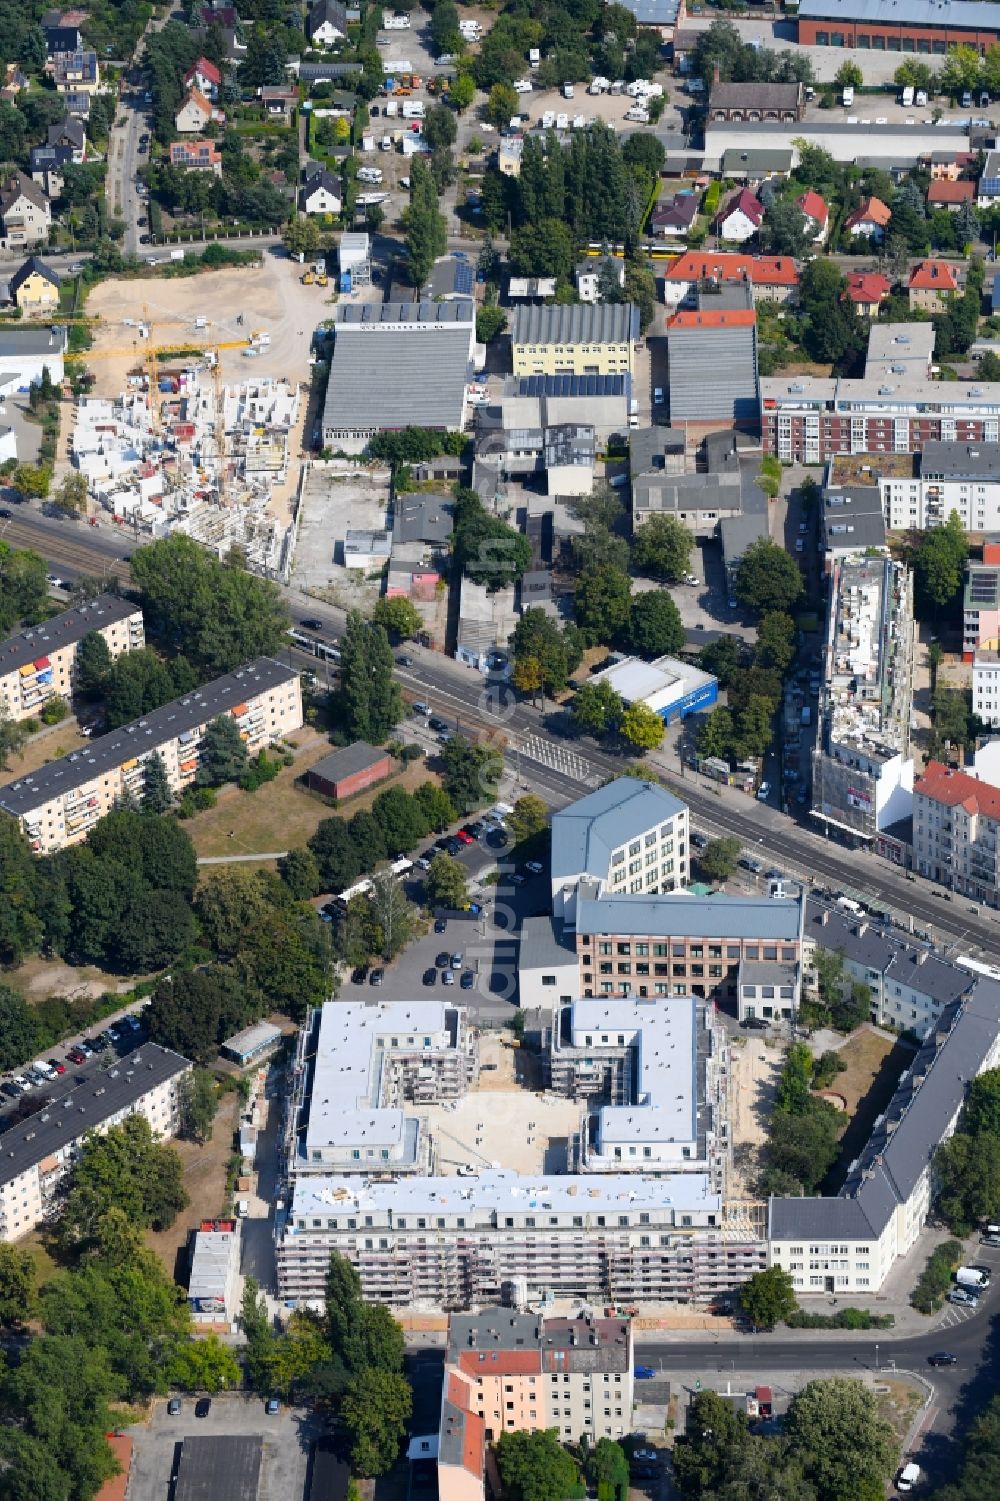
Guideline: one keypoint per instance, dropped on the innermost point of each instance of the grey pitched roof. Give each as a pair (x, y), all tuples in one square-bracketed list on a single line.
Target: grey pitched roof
[(953, 14), (68, 129), (577, 323), (719, 916), (869, 944), (326, 10), (817, 1219), (384, 379), (33, 266), (142, 735), (346, 762), (754, 95), (321, 178), (423, 518), (737, 162), (16, 185), (585, 834), (62, 630)]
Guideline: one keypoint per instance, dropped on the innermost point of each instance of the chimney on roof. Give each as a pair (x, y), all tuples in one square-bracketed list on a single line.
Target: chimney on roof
[(715, 72), (922, 957)]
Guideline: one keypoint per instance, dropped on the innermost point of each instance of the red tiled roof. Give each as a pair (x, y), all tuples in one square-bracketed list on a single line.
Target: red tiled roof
[(957, 789), (743, 202), (943, 191), (720, 265), (867, 286), (934, 275), (206, 69), (813, 206), (871, 210), (474, 1444), (731, 318)]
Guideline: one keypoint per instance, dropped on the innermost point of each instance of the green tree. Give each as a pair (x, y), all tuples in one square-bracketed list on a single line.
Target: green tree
[(641, 727), (967, 1169), (845, 1446), (13, 738), (490, 322), (92, 666), (299, 870), (18, 1285), (71, 495), (768, 1297), (370, 696), (717, 860), (20, 1034), (784, 230), (336, 855), (426, 231), (399, 618), (198, 1102), (982, 1105), (401, 819), (960, 72), (124, 1168), (392, 917), (655, 627), (302, 235), (436, 805), (230, 901), (939, 567), (662, 547), (462, 92), (544, 248), (608, 1470), (21, 926), (204, 1365), (471, 774), (222, 755), (849, 75), (603, 604), (596, 709), (24, 590), (534, 1466), (374, 1414), (539, 638), (775, 641), (831, 330), (501, 106), (486, 549), (446, 883), (530, 817), (767, 579), (157, 794), (364, 1335)]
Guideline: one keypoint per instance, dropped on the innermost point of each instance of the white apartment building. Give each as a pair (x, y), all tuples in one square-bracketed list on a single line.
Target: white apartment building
[(986, 685), (58, 804), (862, 766), (945, 477), (628, 836), (39, 664), (956, 829), (848, 1244), (39, 1152)]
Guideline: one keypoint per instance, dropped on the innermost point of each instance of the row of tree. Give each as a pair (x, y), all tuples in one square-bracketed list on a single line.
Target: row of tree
[(967, 1164), (803, 1134)]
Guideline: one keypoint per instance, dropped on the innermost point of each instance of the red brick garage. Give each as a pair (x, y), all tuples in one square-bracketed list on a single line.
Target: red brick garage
[(344, 773), (918, 27)]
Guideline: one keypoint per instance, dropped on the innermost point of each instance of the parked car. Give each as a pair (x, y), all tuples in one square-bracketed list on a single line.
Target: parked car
[(376, 977), (174, 1406), (463, 837), (468, 979), (312, 624), (11, 1090), (644, 1373), (438, 725), (942, 1358), (272, 1405), (422, 862), (76, 1055), (962, 1298), (763, 792), (535, 867), (443, 960), (440, 924), (203, 1407), (404, 661), (456, 961), (448, 978), (907, 1477), (430, 976), (755, 1024), (359, 974)]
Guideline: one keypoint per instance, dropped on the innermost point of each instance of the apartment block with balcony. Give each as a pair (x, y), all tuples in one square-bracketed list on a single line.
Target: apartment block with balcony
[(981, 604), (956, 831), (39, 664), (58, 804), (628, 836), (39, 1151), (943, 478), (862, 766)]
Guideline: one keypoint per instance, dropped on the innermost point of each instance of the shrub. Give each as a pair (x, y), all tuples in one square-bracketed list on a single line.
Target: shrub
[(935, 1279), (55, 711), (844, 1318)]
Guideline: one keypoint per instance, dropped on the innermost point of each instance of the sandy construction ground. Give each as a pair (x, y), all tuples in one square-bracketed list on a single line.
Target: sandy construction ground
[(755, 1070), (269, 296), (515, 1128)]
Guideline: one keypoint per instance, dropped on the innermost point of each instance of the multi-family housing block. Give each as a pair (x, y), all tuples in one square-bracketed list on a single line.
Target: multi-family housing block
[(628, 836), (981, 604), (862, 767), (59, 804), (956, 826), (39, 663), (39, 1152)]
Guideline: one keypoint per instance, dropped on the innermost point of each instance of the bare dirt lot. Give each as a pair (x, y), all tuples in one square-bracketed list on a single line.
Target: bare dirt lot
[(204, 1180), (269, 296), (755, 1070)]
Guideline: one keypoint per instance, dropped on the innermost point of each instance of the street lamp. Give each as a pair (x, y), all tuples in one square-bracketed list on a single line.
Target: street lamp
[(876, 1355)]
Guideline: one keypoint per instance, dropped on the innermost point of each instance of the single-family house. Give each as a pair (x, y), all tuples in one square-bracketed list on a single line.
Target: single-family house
[(278, 101), (932, 285), (62, 30), (198, 156), (949, 164), (46, 165), (740, 217), (25, 214), (14, 83), (674, 216), (816, 215), (76, 102), (72, 133), (988, 190), (322, 194), (867, 290), (34, 287), (510, 150), (589, 273), (205, 77), (326, 23), (194, 114), (76, 70), (870, 219), (943, 193)]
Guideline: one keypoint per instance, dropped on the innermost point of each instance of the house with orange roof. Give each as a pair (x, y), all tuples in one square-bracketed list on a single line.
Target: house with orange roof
[(771, 278), (816, 215), (942, 193), (867, 290), (870, 219), (197, 156), (932, 286), (194, 114)]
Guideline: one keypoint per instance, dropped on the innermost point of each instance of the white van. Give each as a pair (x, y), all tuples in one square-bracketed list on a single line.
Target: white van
[(908, 1477), (847, 904)]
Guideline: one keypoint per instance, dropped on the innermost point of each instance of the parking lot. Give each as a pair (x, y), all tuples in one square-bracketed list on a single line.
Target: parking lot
[(288, 1436), (14, 1098)]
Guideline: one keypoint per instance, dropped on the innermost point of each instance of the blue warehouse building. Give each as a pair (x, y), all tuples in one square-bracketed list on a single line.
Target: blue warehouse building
[(671, 688)]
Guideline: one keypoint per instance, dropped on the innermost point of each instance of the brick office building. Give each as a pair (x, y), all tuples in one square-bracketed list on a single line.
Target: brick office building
[(924, 27)]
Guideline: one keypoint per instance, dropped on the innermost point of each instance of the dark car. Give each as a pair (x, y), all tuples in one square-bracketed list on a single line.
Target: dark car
[(174, 1406), (454, 846), (430, 976), (699, 840), (443, 960), (774, 874), (440, 726), (10, 1090), (404, 661), (440, 925), (359, 975), (468, 980), (755, 1023), (644, 1373), (942, 1358), (6, 512), (376, 977), (144, 239), (477, 830), (312, 624), (203, 1407), (99, 1044)]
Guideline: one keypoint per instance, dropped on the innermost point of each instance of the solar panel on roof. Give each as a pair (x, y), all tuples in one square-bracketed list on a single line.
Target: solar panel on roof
[(463, 277)]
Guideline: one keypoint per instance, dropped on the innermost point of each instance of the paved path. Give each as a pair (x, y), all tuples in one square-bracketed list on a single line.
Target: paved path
[(238, 859)]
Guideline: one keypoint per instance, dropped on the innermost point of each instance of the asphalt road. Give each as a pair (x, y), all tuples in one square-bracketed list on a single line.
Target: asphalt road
[(568, 768)]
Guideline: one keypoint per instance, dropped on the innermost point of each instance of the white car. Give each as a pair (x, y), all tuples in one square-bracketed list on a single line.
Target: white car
[(908, 1477), (658, 396), (763, 792)]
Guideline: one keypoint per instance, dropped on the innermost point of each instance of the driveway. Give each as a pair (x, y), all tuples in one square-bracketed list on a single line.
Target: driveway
[(288, 1437)]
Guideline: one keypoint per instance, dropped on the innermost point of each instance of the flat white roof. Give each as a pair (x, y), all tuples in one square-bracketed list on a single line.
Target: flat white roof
[(665, 1033), (667, 679)]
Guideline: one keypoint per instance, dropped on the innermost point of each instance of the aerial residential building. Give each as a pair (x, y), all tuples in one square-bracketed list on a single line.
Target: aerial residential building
[(852, 518), (205, 77), (59, 804), (34, 287), (867, 290), (740, 217), (986, 684), (870, 219), (510, 152), (626, 836), (675, 216), (39, 1152), (772, 278), (196, 156), (396, 364), (981, 605), (589, 272), (816, 215), (326, 23), (862, 766), (322, 193), (948, 166), (945, 477), (575, 339), (77, 70), (25, 214), (712, 361), (46, 164), (701, 498), (944, 193), (928, 27), (194, 114), (988, 190), (956, 820), (72, 133), (62, 30), (932, 285), (39, 664)]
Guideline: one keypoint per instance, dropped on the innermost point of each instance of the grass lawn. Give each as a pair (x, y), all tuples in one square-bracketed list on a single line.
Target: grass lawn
[(45, 1264), (280, 816), (44, 747), (874, 1065), (897, 1405)]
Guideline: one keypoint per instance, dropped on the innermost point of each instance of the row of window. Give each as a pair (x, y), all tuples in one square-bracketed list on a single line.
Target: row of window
[(685, 950), (876, 42)]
